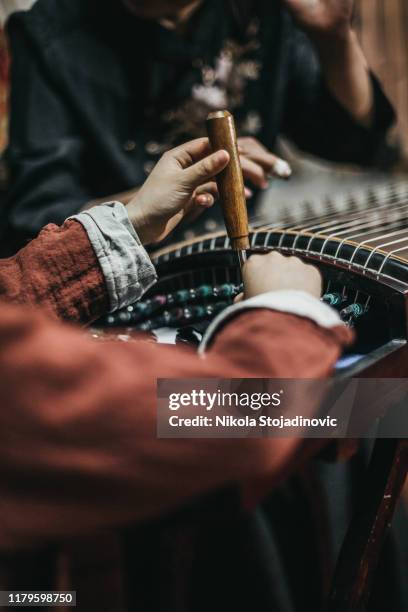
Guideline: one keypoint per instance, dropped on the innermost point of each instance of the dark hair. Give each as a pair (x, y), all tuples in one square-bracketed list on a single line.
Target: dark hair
[(242, 10)]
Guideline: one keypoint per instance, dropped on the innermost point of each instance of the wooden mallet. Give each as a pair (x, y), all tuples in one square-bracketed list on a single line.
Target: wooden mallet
[(222, 135)]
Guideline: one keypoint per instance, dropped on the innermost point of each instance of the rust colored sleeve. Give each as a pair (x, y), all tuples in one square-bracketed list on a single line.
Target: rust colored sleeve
[(79, 449), (58, 271)]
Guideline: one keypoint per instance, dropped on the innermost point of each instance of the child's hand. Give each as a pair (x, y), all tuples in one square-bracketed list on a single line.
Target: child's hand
[(181, 183)]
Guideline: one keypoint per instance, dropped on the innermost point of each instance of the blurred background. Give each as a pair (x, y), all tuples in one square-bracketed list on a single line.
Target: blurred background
[(383, 29), (382, 26)]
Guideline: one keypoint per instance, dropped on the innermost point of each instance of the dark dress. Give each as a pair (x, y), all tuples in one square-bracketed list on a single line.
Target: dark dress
[(98, 95)]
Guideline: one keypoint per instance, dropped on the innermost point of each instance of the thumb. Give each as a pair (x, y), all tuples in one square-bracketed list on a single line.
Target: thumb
[(204, 170)]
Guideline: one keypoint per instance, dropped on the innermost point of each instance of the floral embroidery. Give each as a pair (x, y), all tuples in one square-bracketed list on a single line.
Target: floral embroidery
[(222, 85)]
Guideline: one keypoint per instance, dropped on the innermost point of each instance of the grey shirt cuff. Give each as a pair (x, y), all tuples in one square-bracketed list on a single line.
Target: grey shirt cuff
[(126, 266)]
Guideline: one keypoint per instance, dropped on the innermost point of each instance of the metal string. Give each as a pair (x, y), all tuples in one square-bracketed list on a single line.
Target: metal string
[(394, 191), (367, 242), (327, 221), (385, 244), (355, 223), (388, 213)]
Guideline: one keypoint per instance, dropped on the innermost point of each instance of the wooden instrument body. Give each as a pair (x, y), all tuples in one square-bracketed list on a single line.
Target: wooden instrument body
[(362, 253), (369, 272), (380, 350), (380, 333)]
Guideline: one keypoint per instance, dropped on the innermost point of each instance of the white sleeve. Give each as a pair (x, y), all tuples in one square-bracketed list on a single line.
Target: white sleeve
[(125, 264), (8, 7), (298, 303)]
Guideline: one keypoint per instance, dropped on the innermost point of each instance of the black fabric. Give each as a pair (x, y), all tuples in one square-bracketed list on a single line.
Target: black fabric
[(94, 86)]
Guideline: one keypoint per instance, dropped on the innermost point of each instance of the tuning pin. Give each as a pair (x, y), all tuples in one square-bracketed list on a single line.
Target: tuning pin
[(182, 296), (124, 317), (205, 291), (308, 209), (199, 312), (334, 299), (352, 203), (225, 291), (140, 308), (352, 312), (159, 300), (147, 326), (186, 315)]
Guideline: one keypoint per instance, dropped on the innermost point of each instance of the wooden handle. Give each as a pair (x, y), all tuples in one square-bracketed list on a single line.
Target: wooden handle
[(222, 135)]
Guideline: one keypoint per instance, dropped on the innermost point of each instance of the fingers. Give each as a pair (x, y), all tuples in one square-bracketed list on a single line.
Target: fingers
[(289, 263), (191, 152), (281, 169), (206, 194), (256, 261), (254, 173), (204, 199), (204, 170), (270, 164), (274, 272)]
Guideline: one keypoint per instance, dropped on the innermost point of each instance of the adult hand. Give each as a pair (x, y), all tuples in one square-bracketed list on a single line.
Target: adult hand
[(274, 272), (182, 183), (322, 16), (259, 164)]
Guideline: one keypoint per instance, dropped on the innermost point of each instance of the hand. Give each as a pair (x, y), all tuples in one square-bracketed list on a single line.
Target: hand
[(274, 272), (180, 184), (258, 164), (322, 16)]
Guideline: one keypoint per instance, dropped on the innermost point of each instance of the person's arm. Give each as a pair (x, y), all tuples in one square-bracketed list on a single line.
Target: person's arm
[(64, 269), (336, 108), (48, 157), (346, 72), (79, 449), (58, 271), (343, 64)]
